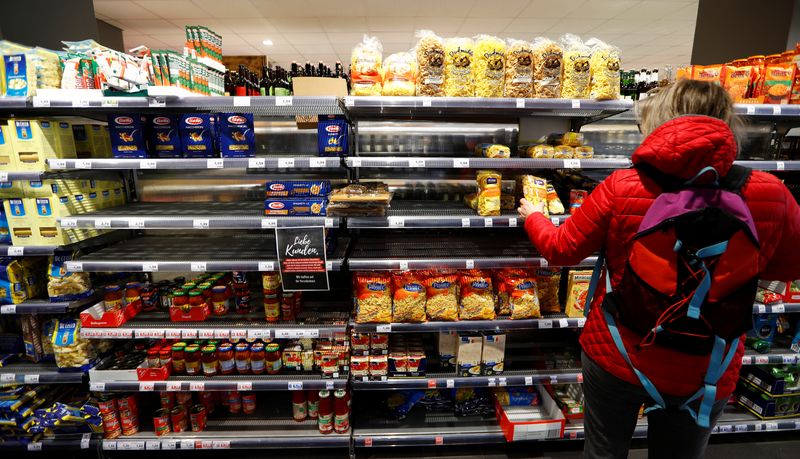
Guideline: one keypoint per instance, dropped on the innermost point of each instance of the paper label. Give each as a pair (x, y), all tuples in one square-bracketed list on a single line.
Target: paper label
[(255, 334), (83, 164), (31, 379), (85, 439), (461, 163), (751, 110), (8, 309), (572, 163), (172, 333), (329, 223), (417, 162), (451, 383), (295, 385), (383, 328), (465, 222), (7, 377), (187, 444), (427, 101), (348, 101), (198, 267), (244, 386), (152, 444), (35, 446), (197, 386), (137, 223), (469, 264), (110, 102), (317, 162), (256, 163), (563, 323), (150, 267), (488, 222), (576, 103), (148, 164), (355, 162), (241, 101), (266, 266), (189, 333), (102, 223), (520, 103), (269, 223), (146, 386), (97, 386), (776, 109), (283, 101), (780, 165), (285, 162), (201, 223), (173, 386), (403, 265), (238, 333), (215, 163), (545, 323), (512, 222), (205, 333), (69, 223), (397, 222), (55, 164)]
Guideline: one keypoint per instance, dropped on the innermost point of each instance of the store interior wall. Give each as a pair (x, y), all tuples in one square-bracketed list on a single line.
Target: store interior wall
[(728, 29), (55, 21), (110, 36), (794, 28)]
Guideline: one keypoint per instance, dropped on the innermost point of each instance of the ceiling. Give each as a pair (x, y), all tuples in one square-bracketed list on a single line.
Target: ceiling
[(651, 33)]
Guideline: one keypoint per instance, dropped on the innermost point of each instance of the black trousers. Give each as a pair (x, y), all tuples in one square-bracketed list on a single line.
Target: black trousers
[(611, 410)]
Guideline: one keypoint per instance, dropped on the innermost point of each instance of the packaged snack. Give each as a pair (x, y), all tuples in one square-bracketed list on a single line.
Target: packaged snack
[(547, 283), (163, 136), (507, 202), (32, 337), (604, 69), (127, 136), (547, 64), (502, 285), (492, 150), (430, 63), (540, 151), (447, 346), (577, 75), (489, 183), (518, 69), (399, 75), (19, 77), (554, 205), (570, 139), (365, 67), (197, 135), (295, 206), (778, 83), (493, 353), (477, 296), (577, 289), (63, 285), (459, 73), (332, 135), (761, 336), (711, 73), (471, 200), (409, 297), (563, 151), (13, 288), (373, 298), (236, 135), (48, 68), (517, 396), (583, 152), (489, 66), (534, 189), (71, 351), (737, 82), (442, 296), (297, 188)]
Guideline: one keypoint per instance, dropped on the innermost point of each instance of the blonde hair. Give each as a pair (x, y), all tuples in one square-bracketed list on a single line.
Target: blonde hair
[(686, 97)]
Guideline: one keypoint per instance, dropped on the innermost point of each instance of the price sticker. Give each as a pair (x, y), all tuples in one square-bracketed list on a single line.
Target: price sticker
[(97, 386), (581, 322), (152, 444), (502, 381), (512, 222), (172, 333), (528, 380), (397, 222), (173, 386), (222, 334), (283, 101), (779, 308), (761, 309), (201, 223), (355, 162), (555, 221), (157, 102), (187, 444), (150, 267), (431, 384), (451, 383), (269, 223), (488, 222), (266, 266), (130, 445), (41, 101), (80, 102), (329, 384), (572, 163), (69, 223), (35, 446), (197, 386), (725, 428), (148, 164), (146, 386), (747, 360), (416, 162), (85, 439), (31, 379), (109, 102), (198, 267), (461, 163), (241, 101), (576, 103), (7, 377), (563, 323), (169, 444), (329, 265), (295, 385), (491, 382), (255, 334), (762, 359), (109, 445), (348, 101), (238, 333), (543, 263), (520, 103), (244, 386), (741, 427), (553, 379), (427, 101), (122, 334), (8, 309), (83, 164), (465, 222), (789, 359), (383, 328), (329, 223), (439, 440), (579, 378), (256, 163), (285, 162), (403, 265), (205, 333), (136, 223), (780, 165), (751, 110), (469, 264), (368, 442), (54, 164), (221, 444), (317, 162), (149, 333), (215, 163), (4, 176), (545, 323), (771, 426), (776, 109), (102, 223), (189, 333)]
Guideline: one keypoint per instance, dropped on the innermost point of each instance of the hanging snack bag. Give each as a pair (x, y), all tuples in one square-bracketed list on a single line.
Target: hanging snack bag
[(489, 184), (554, 205), (374, 298), (409, 297), (459, 73), (547, 64), (477, 297), (430, 64), (534, 189), (399, 75), (490, 59), (778, 83), (547, 283), (711, 73), (604, 69), (442, 296), (518, 69), (737, 82), (577, 75), (365, 67)]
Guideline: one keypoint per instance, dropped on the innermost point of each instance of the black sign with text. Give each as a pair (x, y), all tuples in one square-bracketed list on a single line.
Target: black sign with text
[(302, 259)]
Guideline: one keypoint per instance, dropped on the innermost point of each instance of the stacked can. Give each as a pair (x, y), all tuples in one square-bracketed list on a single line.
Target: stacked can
[(208, 401), (108, 411), (128, 414), (198, 417), (248, 402), (167, 399), (183, 399), (180, 419), (234, 402), (161, 422)]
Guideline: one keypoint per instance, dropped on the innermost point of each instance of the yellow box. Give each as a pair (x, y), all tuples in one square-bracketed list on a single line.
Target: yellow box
[(96, 136), (33, 142), (65, 141), (82, 147), (12, 189), (20, 221), (7, 157)]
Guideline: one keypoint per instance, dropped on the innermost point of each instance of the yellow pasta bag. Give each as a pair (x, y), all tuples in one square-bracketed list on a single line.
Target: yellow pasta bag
[(534, 189), (584, 152), (518, 69), (576, 77), (399, 75), (577, 291), (604, 68), (442, 296), (563, 151), (540, 151), (430, 64), (490, 59), (459, 75), (471, 200), (477, 296), (409, 297), (374, 298), (489, 191), (365, 67), (554, 205), (547, 283), (492, 150), (547, 63)]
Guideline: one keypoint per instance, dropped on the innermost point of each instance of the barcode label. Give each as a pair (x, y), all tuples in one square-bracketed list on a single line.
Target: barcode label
[(241, 101), (198, 267), (285, 162), (266, 266), (201, 223)]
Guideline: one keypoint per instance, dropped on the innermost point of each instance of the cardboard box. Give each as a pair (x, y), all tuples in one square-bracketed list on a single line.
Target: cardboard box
[(542, 422), (20, 221), (765, 405), (98, 317), (145, 373), (33, 141), (319, 86), (7, 157), (493, 355), (448, 347), (96, 375), (468, 356)]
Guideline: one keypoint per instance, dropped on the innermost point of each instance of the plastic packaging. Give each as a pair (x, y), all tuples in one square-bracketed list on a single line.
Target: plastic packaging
[(374, 298), (477, 296), (489, 186), (442, 296), (490, 61), (459, 72), (518, 69), (604, 68), (365, 67), (409, 297), (399, 75), (577, 74), (547, 64), (534, 189), (430, 62)]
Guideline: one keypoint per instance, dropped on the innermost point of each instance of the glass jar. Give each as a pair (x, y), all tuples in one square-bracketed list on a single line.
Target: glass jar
[(219, 300), (196, 299), (180, 300), (205, 287), (210, 360), (191, 360), (133, 292), (272, 307), (272, 358), (225, 355), (242, 356), (178, 353), (189, 286), (112, 298), (257, 355), (152, 357), (164, 355)]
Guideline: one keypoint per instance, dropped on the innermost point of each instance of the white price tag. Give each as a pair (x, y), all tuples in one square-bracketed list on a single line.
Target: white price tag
[(317, 162), (201, 223), (169, 444), (776, 109), (491, 382), (465, 222), (157, 102), (266, 266), (172, 333), (725, 428), (130, 445), (69, 223), (488, 222), (308, 333), (747, 360), (285, 162), (241, 101), (97, 386), (553, 379), (80, 102), (110, 102), (55, 164), (187, 444), (741, 427), (255, 334), (197, 386), (512, 222), (469, 264), (789, 359), (269, 223), (74, 266), (244, 386), (85, 439), (283, 101), (35, 446), (383, 328), (581, 322), (348, 101), (355, 162), (83, 164), (102, 223), (149, 333), (238, 333), (572, 163), (41, 101), (146, 386), (7, 377), (109, 445), (329, 265), (576, 103), (528, 380), (31, 379), (543, 263), (150, 267), (397, 222), (402, 265), (222, 334), (461, 163), (778, 308), (8, 309), (136, 223), (545, 323), (205, 333), (502, 381), (780, 165), (417, 162), (173, 386), (520, 103), (555, 221), (295, 385), (198, 267), (215, 163), (771, 426), (427, 101), (256, 163), (451, 383), (563, 323), (329, 223), (148, 164), (762, 309), (329, 384), (152, 444), (3, 176), (189, 333), (762, 359), (751, 110)]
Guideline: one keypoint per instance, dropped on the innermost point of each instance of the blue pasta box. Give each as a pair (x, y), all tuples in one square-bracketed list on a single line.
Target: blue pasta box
[(163, 137), (197, 135), (297, 188), (332, 135), (295, 206), (127, 136), (237, 138), (16, 75)]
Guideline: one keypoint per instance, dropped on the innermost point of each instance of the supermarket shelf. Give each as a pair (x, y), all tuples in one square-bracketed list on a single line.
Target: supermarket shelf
[(450, 380), (771, 165), (547, 322), (38, 373), (46, 307), (420, 252), (422, 162), (13, 102), (270, 162), (286, 381), (241, 252), (436, 429), (437, 214), (188, 215), (59, 442), (9, 176), (768, 110), (29, 250), (773, 357), (775, 308)]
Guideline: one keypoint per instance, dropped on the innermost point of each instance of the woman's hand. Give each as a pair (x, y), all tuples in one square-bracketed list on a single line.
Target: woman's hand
[(526, 208)]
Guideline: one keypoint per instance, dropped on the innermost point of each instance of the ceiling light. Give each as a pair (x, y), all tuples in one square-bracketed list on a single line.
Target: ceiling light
[(267, 42)]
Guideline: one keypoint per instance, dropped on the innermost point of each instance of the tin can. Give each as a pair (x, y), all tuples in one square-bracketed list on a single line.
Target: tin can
[(207, 400), (576, 199), (127, 402), (129, 423), (183, 398), (180, 423), (234, 402), (111, 431), (198, 418), (161, 422), (107, 405), (167, 399), (248, 403)]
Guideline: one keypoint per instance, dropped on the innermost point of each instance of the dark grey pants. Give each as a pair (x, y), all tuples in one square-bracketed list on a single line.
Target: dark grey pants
[(611, 411)]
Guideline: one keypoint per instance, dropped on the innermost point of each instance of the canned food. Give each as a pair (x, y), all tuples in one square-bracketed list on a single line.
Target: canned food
[(179, 421), (183, 398), (128, 402), (167, 399), (234, 402), (111, 433), (249, 403), (207, 400), (198, 418), (161, 422), (107, 405)]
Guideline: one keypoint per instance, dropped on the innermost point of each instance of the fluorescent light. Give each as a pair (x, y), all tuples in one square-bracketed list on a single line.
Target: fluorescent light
[(267, 42)]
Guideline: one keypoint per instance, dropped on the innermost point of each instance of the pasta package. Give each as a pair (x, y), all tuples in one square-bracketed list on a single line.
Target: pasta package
[(430, 63), (711, 73), (477, 296), (547, 63), (507, 202), (523, 299), (374, 298), (63, 285), (490, 59), (459, 72), (547, 283), (489, 192), (409, 297), (71, 351), (471, 200), (540, 151), (554, 205), (577, 291), (577, 75), (563, 151), (534, 189), (737, 81), (604, 70), (518, 69), (778, 83), (442, 296), (365, 67), (399, 75), (502, 285), (584, 152), (492, 150)]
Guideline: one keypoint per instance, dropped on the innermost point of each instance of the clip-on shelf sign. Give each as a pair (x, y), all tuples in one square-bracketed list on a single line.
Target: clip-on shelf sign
[(302, 258)]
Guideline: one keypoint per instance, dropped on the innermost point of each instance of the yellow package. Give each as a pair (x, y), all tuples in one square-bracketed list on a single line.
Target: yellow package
[(604, 69), (571, 139), (554, 205), (540, 151), (477, 296), (547, 64), (576, 77), (563, 151), (547, 283), (490, 58), (7, 161), (489, 184), (471, 200), (365, 67), (442, 295), (534, 189), (430, 63), (399, 75), (519, 69), (577, 291), (584, 152), (459, 76), (492, 150)]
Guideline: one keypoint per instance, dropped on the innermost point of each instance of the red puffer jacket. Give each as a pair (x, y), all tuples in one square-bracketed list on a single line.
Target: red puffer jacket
[(611, 215)]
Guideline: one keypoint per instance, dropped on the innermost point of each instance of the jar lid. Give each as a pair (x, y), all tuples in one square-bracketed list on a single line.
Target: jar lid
[(195, 292), (242, 347), (192, 348), (209, 349), (225, 347), (219, 289), (257, 347), (179, 346), (133, 285), (179, 292), (112, 288), (272, 347)]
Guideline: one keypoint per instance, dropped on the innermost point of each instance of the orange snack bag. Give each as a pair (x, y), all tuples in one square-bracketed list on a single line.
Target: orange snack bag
[(707, 73), (477, 297), (442, 295), (778, 82), (409, 297), (374, 297), (738, 81)]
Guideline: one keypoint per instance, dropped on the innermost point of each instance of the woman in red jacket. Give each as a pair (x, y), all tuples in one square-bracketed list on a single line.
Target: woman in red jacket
[(687, 128)]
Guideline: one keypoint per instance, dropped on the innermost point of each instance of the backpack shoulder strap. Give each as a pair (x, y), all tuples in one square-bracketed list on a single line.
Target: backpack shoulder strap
[(736, 179)]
